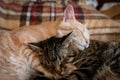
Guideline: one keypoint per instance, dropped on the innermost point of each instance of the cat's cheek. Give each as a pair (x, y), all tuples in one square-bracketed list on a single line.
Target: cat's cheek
[(60, 34), (79, 46)]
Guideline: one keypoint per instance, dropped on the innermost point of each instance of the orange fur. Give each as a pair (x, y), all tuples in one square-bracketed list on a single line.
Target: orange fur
[(18, 62)]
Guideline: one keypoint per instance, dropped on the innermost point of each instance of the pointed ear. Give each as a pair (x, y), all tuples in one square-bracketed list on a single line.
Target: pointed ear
[(69, 13), (65, 37), (35, 47), (66, 40)]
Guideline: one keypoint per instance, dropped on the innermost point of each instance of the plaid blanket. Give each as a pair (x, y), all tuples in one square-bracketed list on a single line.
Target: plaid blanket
[(32, 12), (36, 11), (9, 15)]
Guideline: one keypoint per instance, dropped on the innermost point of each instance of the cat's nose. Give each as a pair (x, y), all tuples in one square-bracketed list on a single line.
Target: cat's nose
[(87, 42)]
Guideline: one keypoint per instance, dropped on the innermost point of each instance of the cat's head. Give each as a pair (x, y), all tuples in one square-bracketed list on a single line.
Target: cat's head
[(80, 31), (54, 50)]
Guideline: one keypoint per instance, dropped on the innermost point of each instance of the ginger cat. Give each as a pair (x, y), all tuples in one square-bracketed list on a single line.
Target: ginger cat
[(18, 62)]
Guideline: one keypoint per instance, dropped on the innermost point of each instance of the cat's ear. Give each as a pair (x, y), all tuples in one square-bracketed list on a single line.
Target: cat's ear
[(36, 48), (69, 13), (65, 37), (65, 40)]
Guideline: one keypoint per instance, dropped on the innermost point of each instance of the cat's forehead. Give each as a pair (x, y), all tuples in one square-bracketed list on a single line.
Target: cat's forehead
[(79, 26), (75, 25)]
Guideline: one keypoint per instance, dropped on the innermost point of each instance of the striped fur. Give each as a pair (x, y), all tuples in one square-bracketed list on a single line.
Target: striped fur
[(52, 52), (101, 61)]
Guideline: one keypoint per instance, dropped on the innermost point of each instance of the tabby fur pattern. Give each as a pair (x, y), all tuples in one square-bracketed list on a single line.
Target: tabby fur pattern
[(101, 61)]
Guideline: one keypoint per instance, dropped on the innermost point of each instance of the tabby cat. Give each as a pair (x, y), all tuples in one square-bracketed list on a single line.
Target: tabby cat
[(18, 61), (101, 61), (52, 52)]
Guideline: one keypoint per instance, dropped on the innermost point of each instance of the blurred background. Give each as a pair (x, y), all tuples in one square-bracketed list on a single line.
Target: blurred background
[(110, 8)]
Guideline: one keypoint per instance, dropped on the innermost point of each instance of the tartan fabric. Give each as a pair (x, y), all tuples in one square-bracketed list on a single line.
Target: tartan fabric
[(10, 15), (56, 1), (37, 12), (61, 1)]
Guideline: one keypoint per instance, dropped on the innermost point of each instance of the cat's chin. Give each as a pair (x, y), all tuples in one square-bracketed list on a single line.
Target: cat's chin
[(81, 47)]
